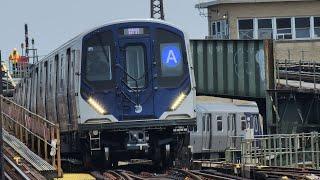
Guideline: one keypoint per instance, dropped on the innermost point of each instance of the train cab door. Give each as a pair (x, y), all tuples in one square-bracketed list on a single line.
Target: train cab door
[(232, 125), (232, 129), (207, 132), (134, 78)]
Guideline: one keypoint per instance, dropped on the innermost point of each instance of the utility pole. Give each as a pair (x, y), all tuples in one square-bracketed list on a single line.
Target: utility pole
[(156, 8), (26, 39)]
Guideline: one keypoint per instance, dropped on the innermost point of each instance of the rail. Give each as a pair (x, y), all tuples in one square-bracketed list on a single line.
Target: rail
[(37, 133), (18, 171)]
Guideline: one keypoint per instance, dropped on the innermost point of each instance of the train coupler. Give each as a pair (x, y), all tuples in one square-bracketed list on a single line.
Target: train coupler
[(138, 140), (94, 138)]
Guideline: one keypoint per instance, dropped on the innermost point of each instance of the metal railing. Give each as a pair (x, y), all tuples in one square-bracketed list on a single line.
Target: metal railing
[(300, 71), (288, 150), (39, 134), (19, 70)]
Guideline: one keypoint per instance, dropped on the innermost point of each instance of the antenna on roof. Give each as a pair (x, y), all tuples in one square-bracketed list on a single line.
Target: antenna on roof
[(202, 11)]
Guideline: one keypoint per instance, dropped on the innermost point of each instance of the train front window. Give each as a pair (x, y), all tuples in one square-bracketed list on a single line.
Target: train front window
[(98, 67), (135, 58), (98, 60), (171, 58)]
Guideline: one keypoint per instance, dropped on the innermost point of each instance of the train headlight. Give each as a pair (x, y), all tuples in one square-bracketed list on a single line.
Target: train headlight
[(96, 106), (178, 101)]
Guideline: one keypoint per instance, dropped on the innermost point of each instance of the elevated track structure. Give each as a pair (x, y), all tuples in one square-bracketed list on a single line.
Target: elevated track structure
[(287, 92), (31, 138)]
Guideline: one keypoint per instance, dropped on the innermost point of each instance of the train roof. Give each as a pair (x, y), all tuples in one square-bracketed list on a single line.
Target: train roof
[(226, 107), (81, 35)]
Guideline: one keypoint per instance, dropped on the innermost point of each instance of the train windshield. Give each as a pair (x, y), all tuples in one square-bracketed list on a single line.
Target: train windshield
[(135, 59), (171, 56), (98, 60), (98, 67)]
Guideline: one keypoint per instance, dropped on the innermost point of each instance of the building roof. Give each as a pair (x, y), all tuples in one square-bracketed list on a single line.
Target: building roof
[(217, 2), (226, 107)]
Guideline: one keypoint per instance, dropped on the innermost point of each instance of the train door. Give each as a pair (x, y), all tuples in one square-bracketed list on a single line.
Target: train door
[(206, 132), (232, 126), (232, 129), (135, 78), (36, 85), (45, 89), (68, 82), (31, 92), (49, 92), (56, 89)]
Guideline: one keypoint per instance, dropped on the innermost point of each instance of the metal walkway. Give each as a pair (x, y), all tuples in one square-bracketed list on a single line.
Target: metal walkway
[(37, 162)]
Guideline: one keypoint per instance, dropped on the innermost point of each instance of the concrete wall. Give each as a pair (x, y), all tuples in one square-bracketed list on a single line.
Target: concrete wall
[(271, 9), (311, 48)]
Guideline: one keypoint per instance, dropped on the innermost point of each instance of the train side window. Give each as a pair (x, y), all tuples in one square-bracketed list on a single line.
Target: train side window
[(243, 123), (219, 123)]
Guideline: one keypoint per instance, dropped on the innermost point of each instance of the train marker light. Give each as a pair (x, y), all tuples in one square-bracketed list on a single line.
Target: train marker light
[(96, 106), (178, 101)]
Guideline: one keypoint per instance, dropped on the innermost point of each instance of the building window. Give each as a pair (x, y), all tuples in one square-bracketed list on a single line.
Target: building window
[(302, 27), (219, 29), (243, 123), (265, 29), (284, 28), (219, 123), (317, 27), (245, 29)]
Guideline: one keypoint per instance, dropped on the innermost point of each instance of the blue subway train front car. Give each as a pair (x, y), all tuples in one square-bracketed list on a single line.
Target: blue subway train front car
[(121, 91), (137, 91)]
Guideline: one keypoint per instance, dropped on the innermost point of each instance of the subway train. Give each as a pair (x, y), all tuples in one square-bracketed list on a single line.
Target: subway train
[(217, 122), (122, 91)]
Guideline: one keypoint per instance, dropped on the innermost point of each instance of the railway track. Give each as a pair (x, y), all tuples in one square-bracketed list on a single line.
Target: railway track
[(17, 167), (206, 175), (12, 171), (170, 175)]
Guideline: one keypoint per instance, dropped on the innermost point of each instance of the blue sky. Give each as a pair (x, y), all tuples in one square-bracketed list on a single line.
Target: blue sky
[(53, 22)]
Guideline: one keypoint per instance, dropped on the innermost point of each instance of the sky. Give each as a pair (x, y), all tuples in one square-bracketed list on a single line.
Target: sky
[(54, 22)]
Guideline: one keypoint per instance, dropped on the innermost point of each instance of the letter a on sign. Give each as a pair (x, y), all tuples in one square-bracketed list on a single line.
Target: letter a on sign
[(171, 57)]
